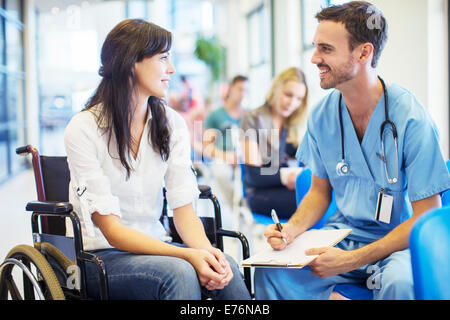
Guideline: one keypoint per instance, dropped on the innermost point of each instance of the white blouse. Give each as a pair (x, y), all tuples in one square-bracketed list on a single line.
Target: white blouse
[(98, 180)]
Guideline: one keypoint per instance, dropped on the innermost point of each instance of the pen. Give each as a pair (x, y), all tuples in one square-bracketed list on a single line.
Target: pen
[(277, 222)]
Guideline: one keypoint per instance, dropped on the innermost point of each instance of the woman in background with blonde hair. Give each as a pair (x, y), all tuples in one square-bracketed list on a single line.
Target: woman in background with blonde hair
[(272, 134)]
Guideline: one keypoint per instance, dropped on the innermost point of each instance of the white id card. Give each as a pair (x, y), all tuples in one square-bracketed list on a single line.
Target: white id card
[(384, 207)]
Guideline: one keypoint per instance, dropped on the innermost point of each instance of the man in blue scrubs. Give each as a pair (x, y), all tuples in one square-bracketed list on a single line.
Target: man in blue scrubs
[(408, 176)]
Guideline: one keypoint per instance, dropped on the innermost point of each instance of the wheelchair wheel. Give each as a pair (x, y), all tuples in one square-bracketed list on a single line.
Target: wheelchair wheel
[(38, 276)]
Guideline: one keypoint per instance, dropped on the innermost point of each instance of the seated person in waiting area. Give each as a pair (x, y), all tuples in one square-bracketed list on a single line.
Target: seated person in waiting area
[(218, 142), (121, 149), (218, 138), (366, 140), (270, 137)]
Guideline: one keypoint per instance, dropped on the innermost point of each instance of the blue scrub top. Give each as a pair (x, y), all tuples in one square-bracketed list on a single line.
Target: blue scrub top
[(422, 169)]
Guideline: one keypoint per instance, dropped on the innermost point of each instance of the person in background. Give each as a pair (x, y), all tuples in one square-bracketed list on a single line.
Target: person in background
[(121, 149), (217, 139), (271, 136), (187, 101)]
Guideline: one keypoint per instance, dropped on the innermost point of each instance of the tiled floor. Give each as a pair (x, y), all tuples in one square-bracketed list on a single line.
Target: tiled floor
[(15, 222)]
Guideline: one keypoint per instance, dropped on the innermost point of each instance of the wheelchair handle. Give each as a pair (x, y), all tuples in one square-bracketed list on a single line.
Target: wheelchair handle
[(23, 151)]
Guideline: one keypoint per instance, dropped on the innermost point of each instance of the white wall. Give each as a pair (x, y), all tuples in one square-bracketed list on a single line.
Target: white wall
[(404, 60), (287, 28), (438, 85), (416, 55)]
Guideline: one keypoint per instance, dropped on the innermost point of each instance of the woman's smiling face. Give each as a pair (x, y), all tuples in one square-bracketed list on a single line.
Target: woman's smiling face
[(153, 75)]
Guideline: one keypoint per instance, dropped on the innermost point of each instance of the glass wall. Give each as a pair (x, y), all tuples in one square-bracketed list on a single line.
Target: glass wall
[(12, 86)]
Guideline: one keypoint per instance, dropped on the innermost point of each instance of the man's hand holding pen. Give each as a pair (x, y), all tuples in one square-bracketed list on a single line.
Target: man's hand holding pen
[(279, 240)]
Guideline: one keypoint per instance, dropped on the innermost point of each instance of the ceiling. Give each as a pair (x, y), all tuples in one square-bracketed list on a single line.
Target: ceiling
[(47, 5)]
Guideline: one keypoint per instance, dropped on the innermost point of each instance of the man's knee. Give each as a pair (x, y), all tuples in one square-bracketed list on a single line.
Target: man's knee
[(396, 288), (396, 278)]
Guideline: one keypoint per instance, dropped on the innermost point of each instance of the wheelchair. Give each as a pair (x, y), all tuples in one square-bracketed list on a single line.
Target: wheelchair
[(54, 268)]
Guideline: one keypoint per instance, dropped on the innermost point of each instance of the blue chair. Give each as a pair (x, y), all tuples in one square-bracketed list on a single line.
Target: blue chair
[(350, 291), (302, 186), (429, 243), (445, 196)]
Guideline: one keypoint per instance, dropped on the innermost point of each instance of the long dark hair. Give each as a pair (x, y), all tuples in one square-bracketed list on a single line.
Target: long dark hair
[(129, 42)]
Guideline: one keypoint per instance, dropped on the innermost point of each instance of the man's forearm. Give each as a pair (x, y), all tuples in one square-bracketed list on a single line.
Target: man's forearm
[(397, 239), (312, 208)]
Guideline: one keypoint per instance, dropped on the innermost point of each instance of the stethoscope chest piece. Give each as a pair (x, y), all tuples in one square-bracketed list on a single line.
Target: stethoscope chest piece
[(342, 169)]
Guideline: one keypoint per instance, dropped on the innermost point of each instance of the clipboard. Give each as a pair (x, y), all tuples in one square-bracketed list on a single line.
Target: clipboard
[(293, 256)]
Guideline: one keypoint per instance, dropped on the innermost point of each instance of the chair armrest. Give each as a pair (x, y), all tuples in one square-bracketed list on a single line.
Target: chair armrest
[(205, 191), (50, 207)]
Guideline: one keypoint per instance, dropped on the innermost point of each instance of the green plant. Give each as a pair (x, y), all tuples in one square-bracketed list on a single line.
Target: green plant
[(212, 53)]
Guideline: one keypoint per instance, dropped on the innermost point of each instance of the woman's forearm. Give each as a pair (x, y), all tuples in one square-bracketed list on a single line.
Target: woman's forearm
[(127, 239), (190, 228)]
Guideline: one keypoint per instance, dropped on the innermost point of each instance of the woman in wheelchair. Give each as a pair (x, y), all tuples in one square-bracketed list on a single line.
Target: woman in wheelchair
[(121, 150)]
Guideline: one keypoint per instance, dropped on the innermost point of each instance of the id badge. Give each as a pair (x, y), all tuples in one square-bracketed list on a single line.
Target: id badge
[(384, 207)]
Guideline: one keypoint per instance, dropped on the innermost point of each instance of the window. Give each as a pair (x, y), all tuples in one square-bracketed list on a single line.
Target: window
[(259, 52), (12, 87), (259, 36), (309, 22)]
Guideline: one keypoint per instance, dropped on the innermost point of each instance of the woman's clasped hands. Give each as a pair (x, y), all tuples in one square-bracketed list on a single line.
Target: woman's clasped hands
[(213, 269)]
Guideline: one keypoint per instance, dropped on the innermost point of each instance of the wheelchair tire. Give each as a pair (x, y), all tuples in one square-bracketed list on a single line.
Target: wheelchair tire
[(31, 256)]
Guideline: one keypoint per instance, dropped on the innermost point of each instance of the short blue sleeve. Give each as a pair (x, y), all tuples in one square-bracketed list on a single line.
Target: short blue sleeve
[(308, 153), (424, 163)]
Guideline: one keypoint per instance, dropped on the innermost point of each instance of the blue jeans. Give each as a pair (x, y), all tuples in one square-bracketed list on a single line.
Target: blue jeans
[(151, 277)]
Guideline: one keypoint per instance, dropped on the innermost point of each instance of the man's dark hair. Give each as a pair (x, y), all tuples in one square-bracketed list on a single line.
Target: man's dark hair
[(238, 78), (363, 21)]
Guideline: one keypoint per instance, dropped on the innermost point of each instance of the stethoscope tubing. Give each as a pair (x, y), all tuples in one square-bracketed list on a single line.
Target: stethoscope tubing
[(343, 167)]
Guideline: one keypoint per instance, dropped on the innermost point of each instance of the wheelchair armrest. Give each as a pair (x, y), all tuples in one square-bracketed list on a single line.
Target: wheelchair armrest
[(101, 269), (242, 238), (245, 253), (50, 207), (205, 191)]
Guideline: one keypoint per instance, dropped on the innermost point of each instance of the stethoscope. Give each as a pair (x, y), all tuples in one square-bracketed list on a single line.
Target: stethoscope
[(342, 167)]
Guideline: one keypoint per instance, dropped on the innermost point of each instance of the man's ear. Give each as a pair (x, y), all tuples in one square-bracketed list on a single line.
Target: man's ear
[(365, 53)]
